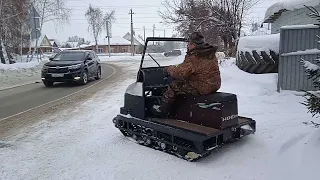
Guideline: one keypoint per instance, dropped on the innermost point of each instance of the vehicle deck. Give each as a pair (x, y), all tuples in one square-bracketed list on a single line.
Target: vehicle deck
[(195, 127)]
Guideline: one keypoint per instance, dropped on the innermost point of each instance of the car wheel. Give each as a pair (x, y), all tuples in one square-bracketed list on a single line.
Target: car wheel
[(48, 83), (84, 78), (98, 73)]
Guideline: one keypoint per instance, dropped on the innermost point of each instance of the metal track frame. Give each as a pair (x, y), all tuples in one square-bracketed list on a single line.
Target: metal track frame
[(178, 142)]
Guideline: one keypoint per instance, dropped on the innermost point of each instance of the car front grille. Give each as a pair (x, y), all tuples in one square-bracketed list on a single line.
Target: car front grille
[(58, 70)]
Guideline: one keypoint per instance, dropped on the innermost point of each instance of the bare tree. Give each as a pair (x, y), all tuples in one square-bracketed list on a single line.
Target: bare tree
[(13, 25), (52, 10), (219, 20), (97, 21)]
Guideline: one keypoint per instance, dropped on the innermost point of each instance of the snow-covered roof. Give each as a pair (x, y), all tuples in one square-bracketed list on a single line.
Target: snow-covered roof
[(259, 43), (52, 42), (127, 36), (40, 40), (275, 11), (72, 44), (113, 41)]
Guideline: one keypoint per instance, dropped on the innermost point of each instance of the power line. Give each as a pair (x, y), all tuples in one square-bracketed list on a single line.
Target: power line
[(119, 7), (124, 14), (80, 19)]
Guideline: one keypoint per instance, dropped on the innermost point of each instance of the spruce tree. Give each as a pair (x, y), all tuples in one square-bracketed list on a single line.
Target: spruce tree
[(312, 98)]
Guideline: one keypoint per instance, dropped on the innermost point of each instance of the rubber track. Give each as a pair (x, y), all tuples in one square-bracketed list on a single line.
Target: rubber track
[(156, 147), (258, 64)]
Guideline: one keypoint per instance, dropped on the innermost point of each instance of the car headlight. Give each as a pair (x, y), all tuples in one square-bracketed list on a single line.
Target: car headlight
[(77, 66)]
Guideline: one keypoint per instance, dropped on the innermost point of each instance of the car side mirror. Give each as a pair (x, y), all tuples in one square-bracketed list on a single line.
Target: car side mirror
[(89, 59), (50, 59)]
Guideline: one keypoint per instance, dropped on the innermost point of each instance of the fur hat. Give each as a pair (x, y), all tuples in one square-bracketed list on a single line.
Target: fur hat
[(196, 37)]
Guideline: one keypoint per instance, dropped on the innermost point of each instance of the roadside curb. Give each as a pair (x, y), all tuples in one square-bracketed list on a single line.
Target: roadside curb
[(11, 87)]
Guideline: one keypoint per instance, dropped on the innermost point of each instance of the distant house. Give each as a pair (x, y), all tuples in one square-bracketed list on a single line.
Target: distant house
[(117, 45), (54, 45), (69, 44), (290, 13), (44, 45)]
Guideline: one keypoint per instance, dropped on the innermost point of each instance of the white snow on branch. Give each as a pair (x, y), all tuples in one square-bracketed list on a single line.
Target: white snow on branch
[(289, 5), (309, 66), (259, 43), (315, 93), (305, 52)]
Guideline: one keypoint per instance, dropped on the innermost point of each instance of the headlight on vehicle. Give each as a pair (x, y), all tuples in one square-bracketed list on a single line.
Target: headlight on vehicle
[(77, 66)]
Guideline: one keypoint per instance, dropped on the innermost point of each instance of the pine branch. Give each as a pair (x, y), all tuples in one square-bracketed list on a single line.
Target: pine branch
[(312, 71), (312, 102), (316, 125), (312, 98)]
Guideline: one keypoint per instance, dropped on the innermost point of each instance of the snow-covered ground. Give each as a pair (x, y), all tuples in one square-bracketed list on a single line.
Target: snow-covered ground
[(82, 143), (21, 72)]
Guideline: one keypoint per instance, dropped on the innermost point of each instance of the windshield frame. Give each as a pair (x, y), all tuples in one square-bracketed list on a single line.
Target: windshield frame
[(69, 52), (158, 39)]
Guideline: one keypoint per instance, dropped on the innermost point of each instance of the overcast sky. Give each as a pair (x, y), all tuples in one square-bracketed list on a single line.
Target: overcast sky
[(145, 15)]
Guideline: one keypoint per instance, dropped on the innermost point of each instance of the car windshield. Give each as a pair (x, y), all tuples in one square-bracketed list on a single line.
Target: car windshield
[(165, 53), (69, 56)]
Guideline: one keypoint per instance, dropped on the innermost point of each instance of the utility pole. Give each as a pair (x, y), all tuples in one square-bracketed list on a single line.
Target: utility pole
[(21, 42), (164, 33), (154, 27), (108, 36), (144, 34), (132, 46)]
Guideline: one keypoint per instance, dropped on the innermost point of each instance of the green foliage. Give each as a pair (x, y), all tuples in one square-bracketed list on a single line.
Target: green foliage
[(312, 98), (312, 102)]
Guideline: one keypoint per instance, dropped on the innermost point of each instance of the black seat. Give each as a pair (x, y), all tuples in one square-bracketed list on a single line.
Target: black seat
[(218, 110)]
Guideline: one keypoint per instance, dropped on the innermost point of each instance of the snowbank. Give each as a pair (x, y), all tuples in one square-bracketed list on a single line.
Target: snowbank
[(127, 56), (82, 143), (259, 43), (20, 73), (120, 58), (16, 66), (289, 5)]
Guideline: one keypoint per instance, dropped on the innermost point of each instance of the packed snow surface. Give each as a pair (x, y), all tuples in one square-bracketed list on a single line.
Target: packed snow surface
[(82, 143), (259, 43), (289, 5)]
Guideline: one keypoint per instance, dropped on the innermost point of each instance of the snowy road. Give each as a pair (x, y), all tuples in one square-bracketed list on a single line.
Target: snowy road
[(16, 124), (22, 98)]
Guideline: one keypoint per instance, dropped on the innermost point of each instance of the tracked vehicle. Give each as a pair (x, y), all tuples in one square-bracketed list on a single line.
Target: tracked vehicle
[(196, 125)]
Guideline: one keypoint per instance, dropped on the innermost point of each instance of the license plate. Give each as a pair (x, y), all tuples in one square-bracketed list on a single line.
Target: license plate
[(57, 75)]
